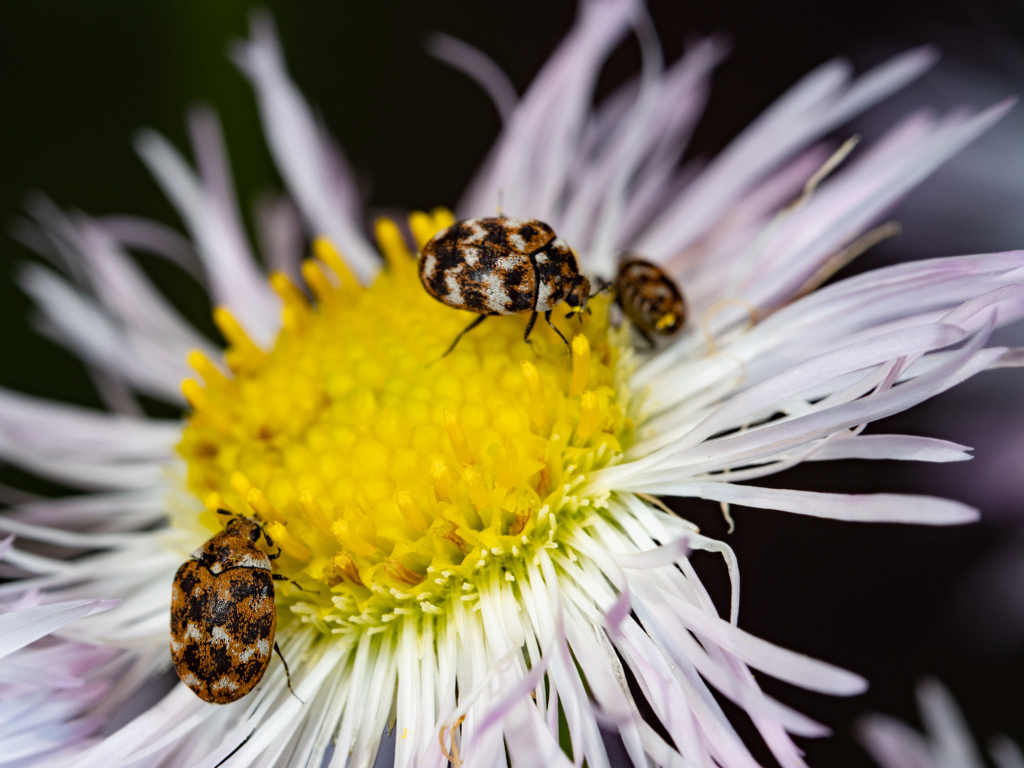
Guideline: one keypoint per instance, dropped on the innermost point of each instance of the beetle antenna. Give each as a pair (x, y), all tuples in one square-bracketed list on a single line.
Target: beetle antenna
[(226, 512), (282, 577), (605, 285), (287, 672)]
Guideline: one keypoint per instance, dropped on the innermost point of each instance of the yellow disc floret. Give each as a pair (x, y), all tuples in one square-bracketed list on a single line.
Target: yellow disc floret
[(392, 479)]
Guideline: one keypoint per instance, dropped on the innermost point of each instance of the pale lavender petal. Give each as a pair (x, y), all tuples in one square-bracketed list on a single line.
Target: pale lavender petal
[(74, 320), (820, 102), (795, 668), (893, 744), (946, 726), (1005, 752), (235, 280), (477, 65), (316, 175), (20, 628), (530, 162), (155, 238), (281, 239), (75, 431)]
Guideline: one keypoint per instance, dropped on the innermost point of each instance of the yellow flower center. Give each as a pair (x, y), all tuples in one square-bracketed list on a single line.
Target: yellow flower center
[(394, 480)]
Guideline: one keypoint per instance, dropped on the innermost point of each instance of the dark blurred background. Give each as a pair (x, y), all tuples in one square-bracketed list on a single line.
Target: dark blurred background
[(77, 79)]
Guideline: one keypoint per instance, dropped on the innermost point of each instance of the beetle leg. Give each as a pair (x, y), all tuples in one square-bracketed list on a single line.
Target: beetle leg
[(240, 745), (529, 327), (536, 293), (465, 330), (647, 338), (287, 672), (547, 316), (270, 543)]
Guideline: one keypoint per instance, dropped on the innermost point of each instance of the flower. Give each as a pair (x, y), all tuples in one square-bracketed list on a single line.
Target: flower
[(475, 546), (946, 744)]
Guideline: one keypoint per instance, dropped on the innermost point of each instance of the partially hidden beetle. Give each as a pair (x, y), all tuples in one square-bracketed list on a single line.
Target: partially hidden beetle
[(223, 614), (502, 266), (649, 298)]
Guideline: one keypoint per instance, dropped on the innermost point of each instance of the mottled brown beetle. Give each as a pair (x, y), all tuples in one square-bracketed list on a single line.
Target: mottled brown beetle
[(502, 266), (649, 298), (223, 614)]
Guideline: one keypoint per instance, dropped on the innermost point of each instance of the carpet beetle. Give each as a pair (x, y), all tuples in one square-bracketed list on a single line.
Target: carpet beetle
[(502, 266), (649, 298), (223, 614)]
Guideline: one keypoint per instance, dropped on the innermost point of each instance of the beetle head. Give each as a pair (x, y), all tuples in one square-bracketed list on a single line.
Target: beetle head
[(244, 526), (578, 296)]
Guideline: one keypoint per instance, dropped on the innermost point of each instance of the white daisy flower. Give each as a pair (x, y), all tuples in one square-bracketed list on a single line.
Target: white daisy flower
[(946, 743), (479, 558)]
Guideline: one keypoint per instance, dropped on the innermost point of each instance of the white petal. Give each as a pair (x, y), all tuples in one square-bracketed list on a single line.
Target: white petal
[(893, 744), (877, 508), (316, 174), (946, 726), (899, 447), (821, 101), (1005, 752), (20, 628), (234, 279)]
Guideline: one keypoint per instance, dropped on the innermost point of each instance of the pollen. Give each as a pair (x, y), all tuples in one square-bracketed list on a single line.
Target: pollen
[(381, 470)]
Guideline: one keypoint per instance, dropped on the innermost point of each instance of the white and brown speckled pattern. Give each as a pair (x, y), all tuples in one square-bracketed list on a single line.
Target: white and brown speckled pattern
[(223, 615), (499, 266)]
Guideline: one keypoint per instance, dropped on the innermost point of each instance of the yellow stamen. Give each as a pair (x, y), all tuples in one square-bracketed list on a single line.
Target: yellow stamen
[(589, 413), (295, 309), (399, 572), (314, 512), (580, 364), (343, 532), (392, 245), (508, 465), (213, 502), (288, 543), (475, 486), (313, 274), (324, 250), (442, 218), (240, 483), (243, 355), (538, 407), (254, 498), (203, 406), (410, 511), (287, 290), (422, 226), (457, 435), (519, 524), (210, 373), (439, 471), (345, 565)]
